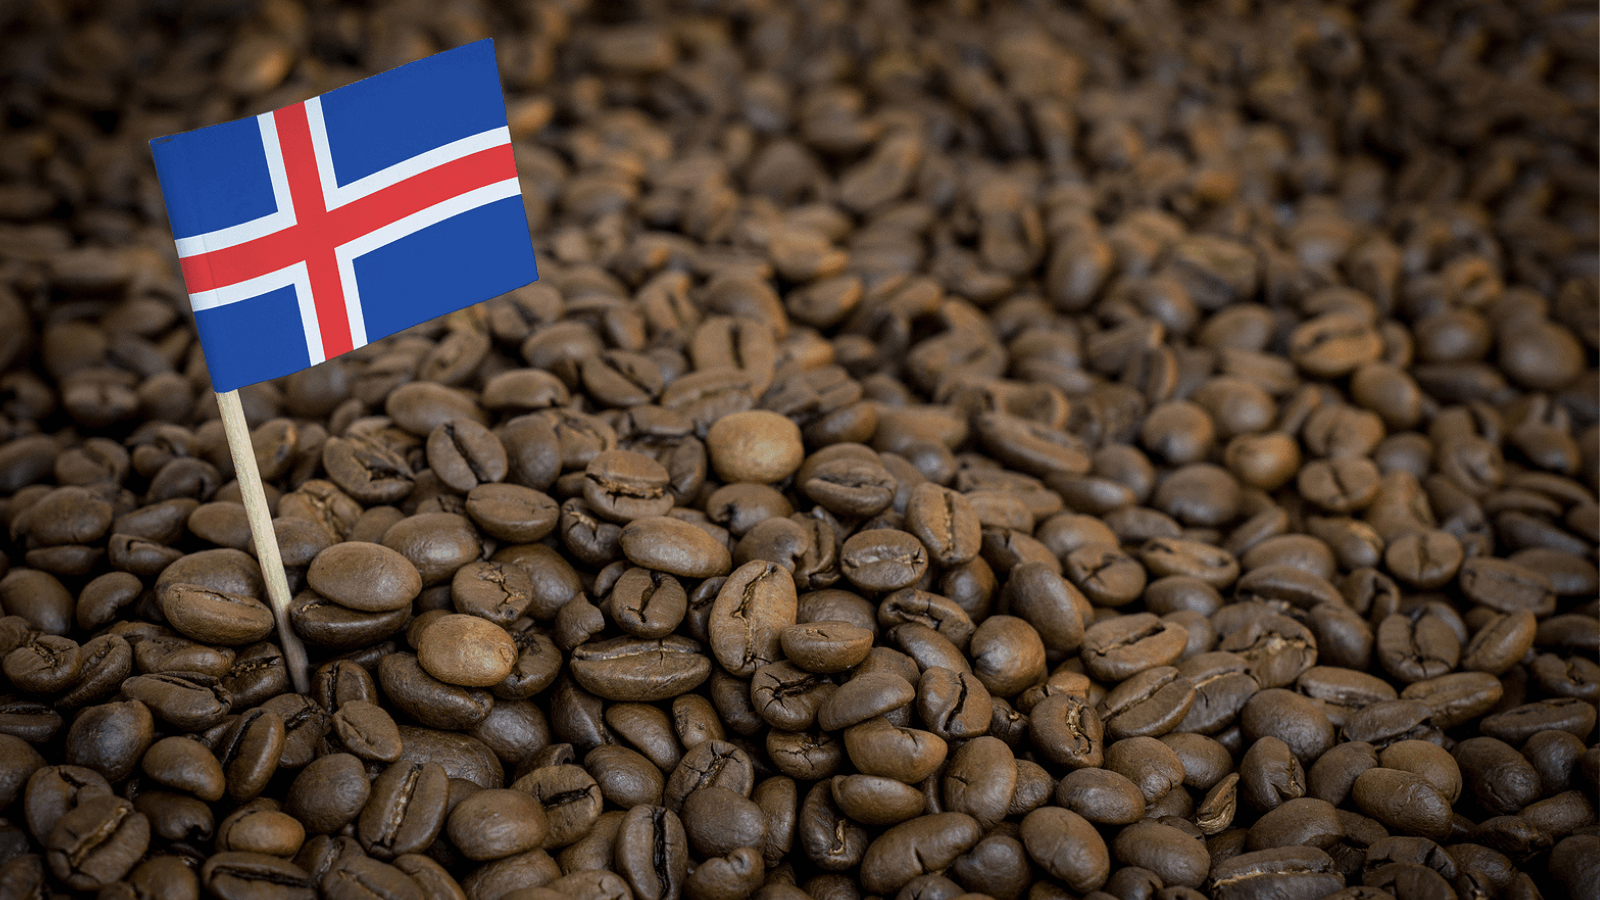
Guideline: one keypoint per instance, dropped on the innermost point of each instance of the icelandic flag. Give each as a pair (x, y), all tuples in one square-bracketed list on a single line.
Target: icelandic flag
[(309, 231)]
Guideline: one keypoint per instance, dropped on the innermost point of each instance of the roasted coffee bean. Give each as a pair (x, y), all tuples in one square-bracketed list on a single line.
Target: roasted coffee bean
[(406, 810), (1403, 802), (364, 576), (304, 726), (466, 650), (652, 852), (1007, 655), (185, 765), (571, 799), (110, 738), (826, 646), (921, 846), (1067, 731), (1101, 796), (1125, 645), (329, 793), (626, 778), (1066, 846), (752, 608), (829, 839), (499, 592), (1560, 713), (436, 545), (754, 446), (787, 697), (719, 822), (1176, 857), (883, 559), (325, 623), (945, 523), (1270, 774), (1284, 871), (954, 705), (878, 747), (215, 617), (1150, 703), (494, 824), (97, 842), (367, 730), (648, 604), (673, 546), (863, 697), (876, 800), (258, 673), (639, 669), (430, 701), (258, 828), (623, 485), (250, 749)]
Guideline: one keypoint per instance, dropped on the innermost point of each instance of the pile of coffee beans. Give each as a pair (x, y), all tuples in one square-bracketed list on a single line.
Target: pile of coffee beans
[(1129, 450)]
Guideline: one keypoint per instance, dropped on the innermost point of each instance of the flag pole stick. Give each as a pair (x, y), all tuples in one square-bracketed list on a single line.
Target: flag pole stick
[(255, 508)]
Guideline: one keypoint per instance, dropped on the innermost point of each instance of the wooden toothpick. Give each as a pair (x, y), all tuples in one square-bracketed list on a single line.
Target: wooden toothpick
[(255, 508)]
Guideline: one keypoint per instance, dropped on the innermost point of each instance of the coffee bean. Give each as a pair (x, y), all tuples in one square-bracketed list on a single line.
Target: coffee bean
[(945, 522), (111, 738), (751, 610), (754, 446), (638, 669), (329, 793), (367, 730), (1285, 871), (435, 544), (678, 548), (250, 749), (954, 705), (497, 591), (1402, 801), (511, 512), (648, 604), (826, 646), (97, 842), (921, 846), (877, 747), (1067, 731), (623, 485), (652, 852), (434, 703), (1065, 845), (979, 780), (570, 797), (215, 617), (406, 810), (495, 824), (185, 765), (365, 577), (256, 828), (465, 454), (1101, 796), (1119, 647), (1270, 774), (467, 651), (883, 559), (1173, 855)]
